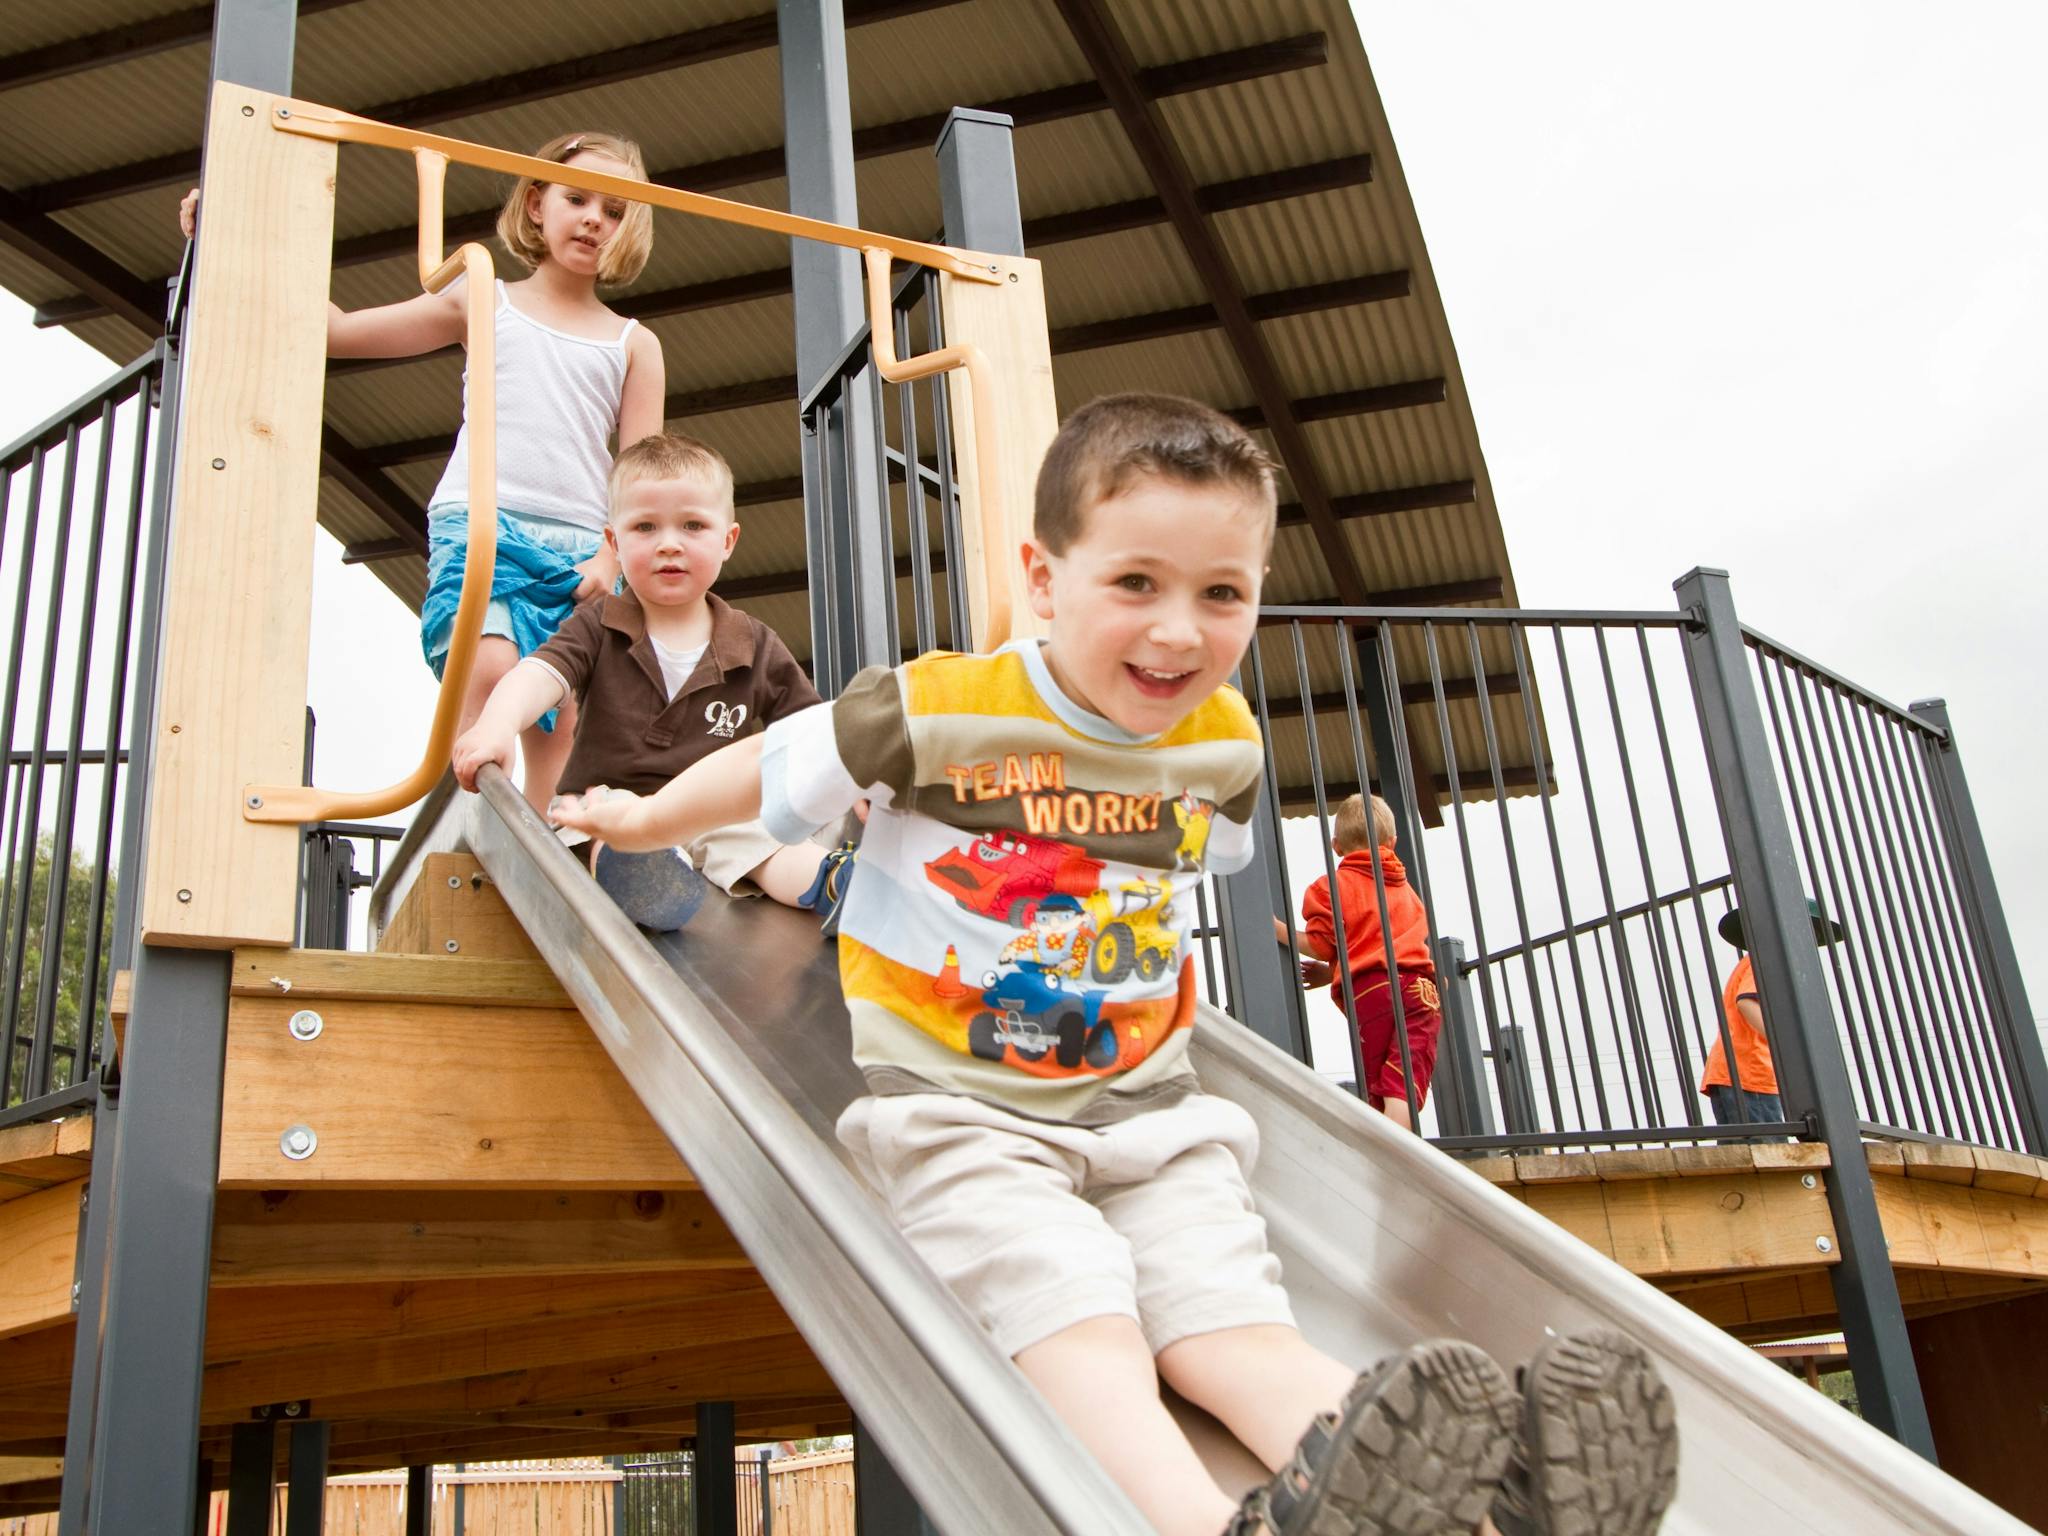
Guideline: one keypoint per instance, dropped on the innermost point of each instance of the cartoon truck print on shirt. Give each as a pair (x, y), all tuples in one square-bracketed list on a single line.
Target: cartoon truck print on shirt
[(1028, 882), (1005, 875), (1032, 1012)]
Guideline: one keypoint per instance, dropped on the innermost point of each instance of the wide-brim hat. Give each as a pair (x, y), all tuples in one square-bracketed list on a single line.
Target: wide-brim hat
[(1825, 929)]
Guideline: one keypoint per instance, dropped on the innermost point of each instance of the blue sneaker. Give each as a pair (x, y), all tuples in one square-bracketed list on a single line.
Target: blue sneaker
[(661, 890), (828, 892)]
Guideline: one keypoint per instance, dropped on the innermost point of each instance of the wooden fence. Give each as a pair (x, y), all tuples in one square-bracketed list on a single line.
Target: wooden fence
[(808, 1496)]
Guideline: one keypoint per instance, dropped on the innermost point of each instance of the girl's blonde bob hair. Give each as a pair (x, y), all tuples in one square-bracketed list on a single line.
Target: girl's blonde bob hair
[(625, 255)]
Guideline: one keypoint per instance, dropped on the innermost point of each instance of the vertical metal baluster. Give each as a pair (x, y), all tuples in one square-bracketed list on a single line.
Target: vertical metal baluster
[(110, 767), (1507, 834), (65, 832), (913, 502), (1692, 875), (1362, 773), (885, 523), (1341, 978), (1614, 1020), (39, 740), (1659, 960), (1207, 926), (1256, 655), (1525, 680), (1399, 762), (1910, 1061), (1840, 895), (949, 490), (10, 980), (1881, 885), (1631, 1006), (1450, 751), (1571, 1065), (1955, 928), (1914, 943)]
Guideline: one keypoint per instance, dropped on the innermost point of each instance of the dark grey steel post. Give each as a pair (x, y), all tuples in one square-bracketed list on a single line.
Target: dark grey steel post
[(1812, 1072), (144, 1455), (817, 131), (1517, 1085), (718, 1508), (305, 1498), (882, 1505), (419, 1502), (252, 1476), (2019, 1038), (978, 183), (1463, 1107), (761, 1464), (1265, 992)]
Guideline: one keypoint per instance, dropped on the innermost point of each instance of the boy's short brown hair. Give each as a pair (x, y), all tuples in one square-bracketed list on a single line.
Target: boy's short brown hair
[(1110, 441), (624, 256), (669, 456), (1352, 831)]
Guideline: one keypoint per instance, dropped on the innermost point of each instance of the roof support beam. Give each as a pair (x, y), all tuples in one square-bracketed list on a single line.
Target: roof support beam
[(1103, 44), (1134, 328), (117, 45), (749, 34), (1441, 594), (770, 283)]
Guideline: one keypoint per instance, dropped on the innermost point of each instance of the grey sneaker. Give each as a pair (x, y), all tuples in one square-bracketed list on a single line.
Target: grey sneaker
[(1597, 1449), (1416, 1450)]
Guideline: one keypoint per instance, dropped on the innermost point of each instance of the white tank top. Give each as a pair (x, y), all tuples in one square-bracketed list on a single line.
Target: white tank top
[(558, 404)]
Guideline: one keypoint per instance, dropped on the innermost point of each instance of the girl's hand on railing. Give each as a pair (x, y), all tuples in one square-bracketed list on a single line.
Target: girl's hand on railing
[(475, 747), (188, 214), (614, 816), (600, 574)]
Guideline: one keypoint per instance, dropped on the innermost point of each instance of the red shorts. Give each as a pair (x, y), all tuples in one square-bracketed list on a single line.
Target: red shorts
[(1377, 1046)]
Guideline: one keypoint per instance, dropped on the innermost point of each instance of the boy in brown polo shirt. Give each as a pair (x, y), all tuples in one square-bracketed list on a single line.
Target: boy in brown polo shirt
[(664, 672)]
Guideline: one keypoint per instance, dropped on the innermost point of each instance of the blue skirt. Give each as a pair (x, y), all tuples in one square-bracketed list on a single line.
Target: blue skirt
[(533, 586)]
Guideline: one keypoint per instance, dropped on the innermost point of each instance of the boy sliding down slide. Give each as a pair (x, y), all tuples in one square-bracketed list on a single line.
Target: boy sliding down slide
[(665, 672), (1040, 818)]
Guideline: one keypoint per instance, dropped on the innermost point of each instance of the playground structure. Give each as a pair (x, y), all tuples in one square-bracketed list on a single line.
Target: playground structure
[(462, 1113)]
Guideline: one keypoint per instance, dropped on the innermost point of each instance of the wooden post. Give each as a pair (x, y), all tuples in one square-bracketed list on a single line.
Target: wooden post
[(239, 578), (1007, 321)]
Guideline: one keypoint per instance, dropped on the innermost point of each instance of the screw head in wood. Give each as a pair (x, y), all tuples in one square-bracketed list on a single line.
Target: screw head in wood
[(1808, 1181), (1824, 1244), (306, 1025), (451, 946), (298, 1143), (184, 895)]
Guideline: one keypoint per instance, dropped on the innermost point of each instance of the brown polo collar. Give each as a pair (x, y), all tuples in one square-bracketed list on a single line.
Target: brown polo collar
[(732, 637)]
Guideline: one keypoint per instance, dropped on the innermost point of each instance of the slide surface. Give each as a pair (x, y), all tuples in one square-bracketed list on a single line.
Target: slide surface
[(734, 1036)]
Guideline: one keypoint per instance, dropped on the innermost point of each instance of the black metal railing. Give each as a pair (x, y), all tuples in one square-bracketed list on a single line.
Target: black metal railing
[(894, 545), (76, 500), (1909, 981), (1581, 846)]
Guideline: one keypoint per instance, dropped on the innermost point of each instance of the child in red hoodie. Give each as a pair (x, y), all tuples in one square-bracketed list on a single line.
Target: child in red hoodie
[(1368, 946)]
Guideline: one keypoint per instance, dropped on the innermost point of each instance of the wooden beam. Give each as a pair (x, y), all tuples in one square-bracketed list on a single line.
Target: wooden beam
[(1314, 298), (680, 50), (1102, 43), (117, 45), (354, 471), (38, 1257), (410, 1095), (82, 264), (1349, 402), (303, 975), (726, 1327), (333, 1237), (1410, 498), (43, 1153)]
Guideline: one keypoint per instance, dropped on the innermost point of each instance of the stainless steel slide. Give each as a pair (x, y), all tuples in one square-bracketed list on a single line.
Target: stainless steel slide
[(734, 1036)]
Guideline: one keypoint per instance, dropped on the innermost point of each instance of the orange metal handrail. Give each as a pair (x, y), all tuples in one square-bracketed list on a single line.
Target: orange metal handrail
[(432, 155)]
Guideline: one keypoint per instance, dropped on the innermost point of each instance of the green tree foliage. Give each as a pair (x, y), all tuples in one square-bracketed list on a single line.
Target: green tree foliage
[(76, 1000)]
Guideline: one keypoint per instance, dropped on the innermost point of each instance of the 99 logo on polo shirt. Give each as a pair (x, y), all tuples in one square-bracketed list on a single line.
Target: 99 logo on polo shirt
[(726, 719)]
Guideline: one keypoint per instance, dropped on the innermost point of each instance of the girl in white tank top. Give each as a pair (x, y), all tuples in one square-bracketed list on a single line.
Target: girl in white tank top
[(570, 374)]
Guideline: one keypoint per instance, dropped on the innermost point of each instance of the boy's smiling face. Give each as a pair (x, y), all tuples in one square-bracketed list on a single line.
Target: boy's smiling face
[(672, 538), (1152, 606)]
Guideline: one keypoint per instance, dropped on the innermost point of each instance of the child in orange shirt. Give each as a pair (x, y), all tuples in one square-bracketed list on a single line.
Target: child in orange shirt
[(1366, 945)]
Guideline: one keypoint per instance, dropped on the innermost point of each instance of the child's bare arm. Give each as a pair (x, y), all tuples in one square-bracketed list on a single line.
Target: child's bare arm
[(715, 791), (424, 323), (642, 396), (522, 696)]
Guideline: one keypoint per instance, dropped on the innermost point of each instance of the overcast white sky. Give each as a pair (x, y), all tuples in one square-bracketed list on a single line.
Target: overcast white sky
[(1763, 287)]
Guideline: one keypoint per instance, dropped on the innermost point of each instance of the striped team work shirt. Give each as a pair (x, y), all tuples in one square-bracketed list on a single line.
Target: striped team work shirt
[(1017, 929)]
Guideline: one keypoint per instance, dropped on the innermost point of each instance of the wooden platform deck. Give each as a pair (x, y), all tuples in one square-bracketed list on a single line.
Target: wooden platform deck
[(446, 1226)]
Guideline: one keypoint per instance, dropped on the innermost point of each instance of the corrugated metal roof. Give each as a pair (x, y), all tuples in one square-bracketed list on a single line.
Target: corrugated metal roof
[(970, 52)]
